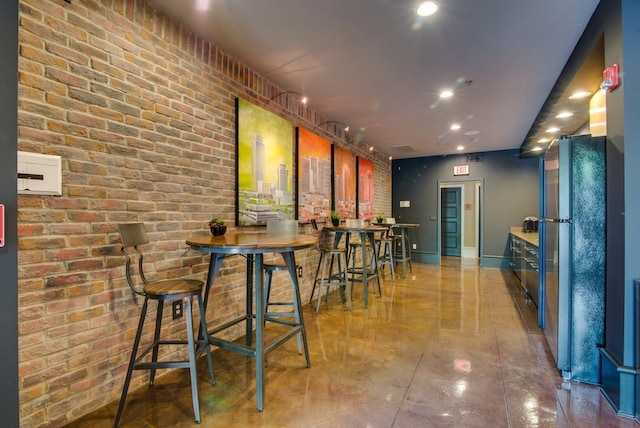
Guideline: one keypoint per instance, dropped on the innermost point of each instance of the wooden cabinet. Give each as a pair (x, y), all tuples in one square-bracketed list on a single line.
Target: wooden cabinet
[(531, 268), (524, 261), (517, 258)]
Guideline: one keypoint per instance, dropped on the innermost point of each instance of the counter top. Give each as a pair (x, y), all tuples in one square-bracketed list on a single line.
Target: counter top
[(530, 237)]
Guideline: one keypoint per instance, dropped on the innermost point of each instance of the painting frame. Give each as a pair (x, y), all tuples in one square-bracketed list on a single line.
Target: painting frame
[(344, 182), (314, 172), (365, 188), (265, 182)]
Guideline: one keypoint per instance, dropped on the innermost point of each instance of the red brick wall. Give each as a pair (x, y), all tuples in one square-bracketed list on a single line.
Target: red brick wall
[(142, 113)]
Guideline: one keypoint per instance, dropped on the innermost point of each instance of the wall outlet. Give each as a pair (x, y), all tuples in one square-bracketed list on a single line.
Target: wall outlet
[(299, 271), (413, 247), (177, 309)]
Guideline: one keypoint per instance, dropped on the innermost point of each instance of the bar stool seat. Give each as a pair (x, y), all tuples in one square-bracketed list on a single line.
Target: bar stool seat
[(168, 290)]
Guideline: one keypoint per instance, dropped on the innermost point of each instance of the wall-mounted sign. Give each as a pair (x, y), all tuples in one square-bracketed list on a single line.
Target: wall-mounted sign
[(461, 170), (405, 204)]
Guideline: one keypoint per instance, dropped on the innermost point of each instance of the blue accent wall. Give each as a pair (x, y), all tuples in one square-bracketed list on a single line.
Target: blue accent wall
[(509, 193), (9, 197)]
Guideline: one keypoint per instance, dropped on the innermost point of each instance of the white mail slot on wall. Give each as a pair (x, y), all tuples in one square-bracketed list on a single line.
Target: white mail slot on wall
[(39, 174)]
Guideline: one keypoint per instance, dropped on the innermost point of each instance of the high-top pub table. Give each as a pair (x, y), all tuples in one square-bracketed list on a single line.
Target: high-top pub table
[(253, 246)]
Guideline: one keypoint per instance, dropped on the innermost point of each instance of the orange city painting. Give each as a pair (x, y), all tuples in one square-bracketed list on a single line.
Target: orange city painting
[(314, 177), (344, 182), (365, 188)]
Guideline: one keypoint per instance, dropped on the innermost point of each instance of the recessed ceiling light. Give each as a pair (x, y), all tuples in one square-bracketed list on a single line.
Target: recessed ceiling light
[(553, 129), (579, 94), (446, 93), (460, 148), (455, 127), (537, 149), (427, 8), (543, 140), (564, 115)]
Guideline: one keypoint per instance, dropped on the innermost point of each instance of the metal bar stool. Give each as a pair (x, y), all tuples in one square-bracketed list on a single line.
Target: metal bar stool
[(385, 252), (168, 290), (325, 277), (369, 265)]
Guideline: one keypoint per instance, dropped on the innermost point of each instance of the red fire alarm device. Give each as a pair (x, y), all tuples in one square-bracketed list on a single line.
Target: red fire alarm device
[(1, 225), (610, 78)]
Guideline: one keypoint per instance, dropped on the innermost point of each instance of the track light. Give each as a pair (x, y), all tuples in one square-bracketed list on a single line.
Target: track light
[(345, 127), (303, 98)]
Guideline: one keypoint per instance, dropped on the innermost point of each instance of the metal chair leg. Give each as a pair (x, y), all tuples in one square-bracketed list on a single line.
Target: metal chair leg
[(156, 340), (132, 361), (192, 358), (205, 339)]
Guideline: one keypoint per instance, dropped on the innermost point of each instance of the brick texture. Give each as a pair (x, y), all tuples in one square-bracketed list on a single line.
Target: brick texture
[(142, 112)]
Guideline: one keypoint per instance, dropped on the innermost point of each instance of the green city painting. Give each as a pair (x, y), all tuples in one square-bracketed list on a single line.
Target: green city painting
[(265, 178)]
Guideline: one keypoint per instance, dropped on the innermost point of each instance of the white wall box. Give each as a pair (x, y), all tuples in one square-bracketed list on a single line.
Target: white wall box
[(39, 174)]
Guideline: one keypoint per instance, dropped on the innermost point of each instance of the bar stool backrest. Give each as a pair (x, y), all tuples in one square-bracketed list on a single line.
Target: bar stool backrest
[(133, 235)]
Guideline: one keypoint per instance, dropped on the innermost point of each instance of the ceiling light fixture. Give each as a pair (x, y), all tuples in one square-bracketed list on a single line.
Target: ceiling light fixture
[(564, 115), (303, 98), (460, 148), (427, 8), (447, 93), (455, 127), (579, 94), (345, 127), (553, 129), (543, 140)]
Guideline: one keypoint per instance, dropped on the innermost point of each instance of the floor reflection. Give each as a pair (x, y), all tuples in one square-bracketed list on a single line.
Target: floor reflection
[(452, 345)]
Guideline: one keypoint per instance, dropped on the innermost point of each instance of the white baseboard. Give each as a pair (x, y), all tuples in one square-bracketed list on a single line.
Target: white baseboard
[(470, 252)]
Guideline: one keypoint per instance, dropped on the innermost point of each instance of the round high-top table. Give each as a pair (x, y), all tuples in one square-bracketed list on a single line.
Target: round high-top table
[(366, 232), (253, 246)]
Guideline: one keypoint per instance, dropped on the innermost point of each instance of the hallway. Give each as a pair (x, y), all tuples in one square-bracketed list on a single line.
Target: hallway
[(450, 346)]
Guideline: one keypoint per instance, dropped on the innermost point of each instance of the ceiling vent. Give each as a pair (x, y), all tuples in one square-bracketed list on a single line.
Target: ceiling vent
[(474, 158), (403, 148)]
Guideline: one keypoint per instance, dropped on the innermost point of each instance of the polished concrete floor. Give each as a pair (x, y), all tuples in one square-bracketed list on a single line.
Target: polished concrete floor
[(449, 346)]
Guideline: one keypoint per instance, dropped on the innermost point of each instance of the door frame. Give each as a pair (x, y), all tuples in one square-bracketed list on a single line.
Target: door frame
[(477, 215)]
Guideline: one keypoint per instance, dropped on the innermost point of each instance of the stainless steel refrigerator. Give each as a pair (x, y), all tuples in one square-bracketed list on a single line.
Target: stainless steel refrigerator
[(572, 254)]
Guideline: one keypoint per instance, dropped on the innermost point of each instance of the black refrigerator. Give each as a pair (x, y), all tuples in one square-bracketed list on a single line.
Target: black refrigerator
[(572, 254)]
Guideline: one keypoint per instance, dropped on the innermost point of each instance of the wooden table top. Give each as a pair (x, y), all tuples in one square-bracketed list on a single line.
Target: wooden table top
[(398, 224), (242, 243), (345, 228)]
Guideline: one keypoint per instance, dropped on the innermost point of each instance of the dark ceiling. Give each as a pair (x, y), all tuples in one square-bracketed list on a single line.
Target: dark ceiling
[(378, 67)]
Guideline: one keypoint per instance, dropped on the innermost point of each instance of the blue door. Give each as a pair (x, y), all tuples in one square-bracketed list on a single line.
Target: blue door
[(450, 222)]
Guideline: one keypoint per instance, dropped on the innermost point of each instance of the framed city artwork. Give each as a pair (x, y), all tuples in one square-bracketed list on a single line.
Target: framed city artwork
[(314, 176), (365, 188), (265, 181), (344, 182)]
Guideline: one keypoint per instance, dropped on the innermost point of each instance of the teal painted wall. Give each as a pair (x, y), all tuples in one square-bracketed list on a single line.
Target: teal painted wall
[(9, 198), (510, 192)]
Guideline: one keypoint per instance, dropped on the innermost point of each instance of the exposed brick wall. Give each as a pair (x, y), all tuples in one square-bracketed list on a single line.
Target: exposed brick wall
[(142, 113)]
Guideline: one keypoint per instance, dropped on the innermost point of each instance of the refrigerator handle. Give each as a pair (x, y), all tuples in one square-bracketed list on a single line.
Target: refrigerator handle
[(556, 220)]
